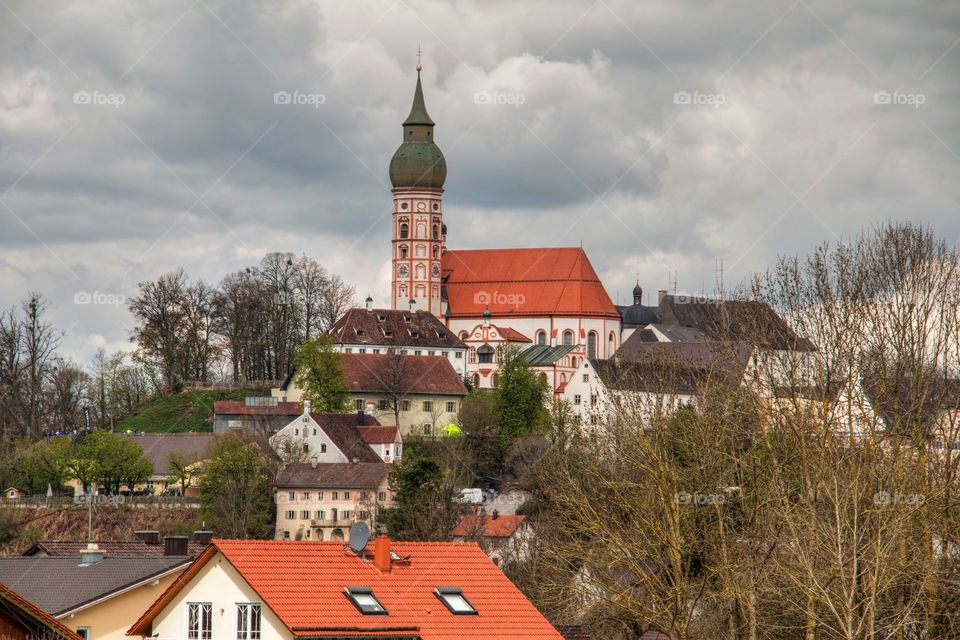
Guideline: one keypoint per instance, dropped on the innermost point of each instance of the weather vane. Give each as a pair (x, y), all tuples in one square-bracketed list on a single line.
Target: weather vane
[(419, 54)]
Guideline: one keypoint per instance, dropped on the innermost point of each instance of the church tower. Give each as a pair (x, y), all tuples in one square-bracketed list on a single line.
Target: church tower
[(417, 172)]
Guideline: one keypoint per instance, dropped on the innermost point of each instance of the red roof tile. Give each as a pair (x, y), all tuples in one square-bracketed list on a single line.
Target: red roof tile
[(512, 335), (303, 584), (524, 282), (373, 372), (501, 527), (379, 435)]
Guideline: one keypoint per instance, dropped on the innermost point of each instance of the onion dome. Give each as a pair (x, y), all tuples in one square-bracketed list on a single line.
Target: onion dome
[(418, 162), (637, 294)]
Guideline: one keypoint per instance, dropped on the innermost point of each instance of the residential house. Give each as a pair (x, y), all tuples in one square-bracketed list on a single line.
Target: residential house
[(503, 538), (322, 501), (337, 437), (256, 415), (417, 333), (22, 620), (280, 590), (158, 447), (425, 389), (95, 595), (13, 493)]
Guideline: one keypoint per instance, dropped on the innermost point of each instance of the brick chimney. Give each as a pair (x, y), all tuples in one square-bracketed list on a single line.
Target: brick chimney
[(381, 553), (661, 294), (147, 537), (203, 536), (175, 546)]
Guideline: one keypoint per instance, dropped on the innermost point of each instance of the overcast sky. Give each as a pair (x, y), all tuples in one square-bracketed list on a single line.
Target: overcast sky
[(664, 136)]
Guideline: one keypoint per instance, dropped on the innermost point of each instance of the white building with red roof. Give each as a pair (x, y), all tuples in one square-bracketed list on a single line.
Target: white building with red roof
[(279, 590)]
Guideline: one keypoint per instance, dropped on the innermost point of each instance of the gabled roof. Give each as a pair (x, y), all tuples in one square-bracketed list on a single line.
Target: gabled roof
[(343, 475), (524, 282), (673, 367), (488, 526), (303, 584), (375, 372), (110, 548), (59, 585), (157, 447), (512, 335), (394, 327), (232, 407), (379, 434), (343, 430), (540, 355), (36, 622)]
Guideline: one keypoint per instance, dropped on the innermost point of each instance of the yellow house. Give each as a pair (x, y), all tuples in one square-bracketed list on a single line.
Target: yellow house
[(98, 597)]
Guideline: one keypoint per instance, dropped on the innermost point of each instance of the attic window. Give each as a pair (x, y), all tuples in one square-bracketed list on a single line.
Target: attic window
[(387, 333), (365, 602), (381, 317), (406, 318), (359, 332), (441, 335), (455, 601), (414, 334)]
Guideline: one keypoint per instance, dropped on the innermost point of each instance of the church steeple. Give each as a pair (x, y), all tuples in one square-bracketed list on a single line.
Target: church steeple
[(418, 112), (418, 162)]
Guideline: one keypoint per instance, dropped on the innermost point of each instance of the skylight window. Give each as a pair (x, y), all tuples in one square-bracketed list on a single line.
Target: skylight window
[(454, 600), (365, 602)]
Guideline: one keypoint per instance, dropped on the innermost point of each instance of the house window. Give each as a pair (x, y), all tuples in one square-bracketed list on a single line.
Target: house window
[(376, 350), (568, 337), (291, 515), (286, 535), (485, 353), (346, 496), (458, 355), (473, 354), (334, 495), (431, 353), (292, 495), (305, 515), (427, 406), (84, 633), (593, 399), (362, 350), (319, 495), (495, 380), (576, 399), (306, 495), (476, 381), (405, 405), (454, 600), (361, 515), (348, 350), (296, 432), (586, 377), (365, 602), (345, 514), (417, 352), (319, 515), (451, 407), (383, 405), (314, 432), (592, 344), (248, 621), (427, 428), (199, 620), (541, 337), (382, 496), (358, 404)]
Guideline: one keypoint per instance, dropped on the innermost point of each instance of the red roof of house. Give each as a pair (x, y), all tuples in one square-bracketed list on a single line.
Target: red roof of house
[(231, 407), (499, 527), (303, 584), (524, 282), (512, 335), (375, 372), (379, 435)]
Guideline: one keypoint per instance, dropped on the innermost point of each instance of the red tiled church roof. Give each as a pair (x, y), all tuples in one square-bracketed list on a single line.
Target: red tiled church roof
[(512, 335), (303, 584), (524, 282)]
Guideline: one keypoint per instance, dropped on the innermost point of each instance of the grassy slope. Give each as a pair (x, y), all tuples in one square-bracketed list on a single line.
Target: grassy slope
[(177, 412)]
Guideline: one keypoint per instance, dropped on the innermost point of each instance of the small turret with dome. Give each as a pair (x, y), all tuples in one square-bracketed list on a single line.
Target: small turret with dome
[(418, 162)]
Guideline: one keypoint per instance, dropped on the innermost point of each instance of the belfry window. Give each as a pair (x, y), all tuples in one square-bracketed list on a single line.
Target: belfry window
[(404, 231)]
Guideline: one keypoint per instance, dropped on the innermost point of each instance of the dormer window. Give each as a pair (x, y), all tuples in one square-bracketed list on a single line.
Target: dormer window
[(365, 602), (454, 600), (359, 332), (406, 318), (414, 334), (381, 317), (441, 335), (387, 333)]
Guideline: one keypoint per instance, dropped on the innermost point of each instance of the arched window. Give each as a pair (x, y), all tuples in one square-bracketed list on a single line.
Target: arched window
[(611, 344), (543, 376), (403, 252), (473, 354), (436, 251), (404, 231), (541, 337), (592, 344), (499, 354), (436, 232), (476, 381), (496, 379), (568, 337), (485, 353)]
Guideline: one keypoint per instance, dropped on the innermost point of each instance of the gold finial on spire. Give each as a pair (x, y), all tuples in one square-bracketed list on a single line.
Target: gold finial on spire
[(419, 54)]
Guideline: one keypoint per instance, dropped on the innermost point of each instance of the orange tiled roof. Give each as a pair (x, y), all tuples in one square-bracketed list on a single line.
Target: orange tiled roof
[(512, 335), (303, 584), (524, 282), (501, 527)]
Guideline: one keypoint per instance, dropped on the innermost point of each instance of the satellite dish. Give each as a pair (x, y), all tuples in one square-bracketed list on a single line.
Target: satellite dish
[(359, 536)]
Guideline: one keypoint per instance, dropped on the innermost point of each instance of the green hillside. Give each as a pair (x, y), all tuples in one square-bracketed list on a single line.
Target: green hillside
[(190, 410)]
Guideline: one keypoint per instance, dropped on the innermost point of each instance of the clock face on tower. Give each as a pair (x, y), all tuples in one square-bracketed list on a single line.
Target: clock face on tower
[(436, 270), (403, 270)]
